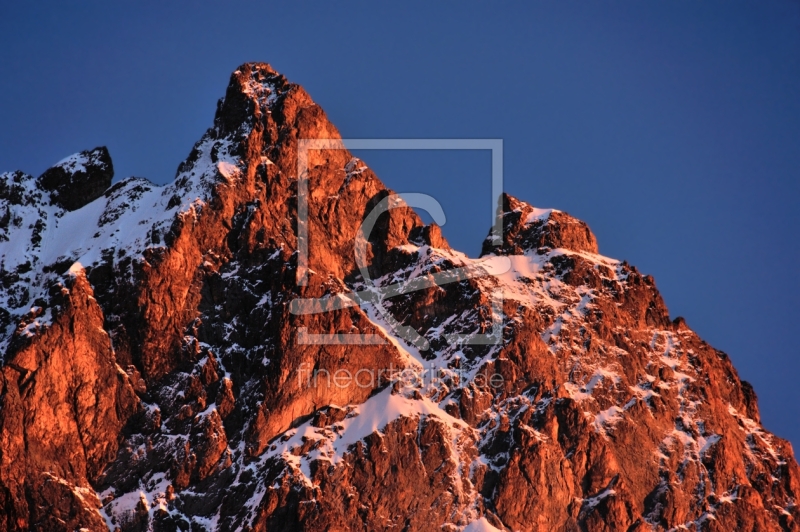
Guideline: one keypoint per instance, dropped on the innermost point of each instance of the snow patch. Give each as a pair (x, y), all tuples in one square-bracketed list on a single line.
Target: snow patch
[(481, 525)]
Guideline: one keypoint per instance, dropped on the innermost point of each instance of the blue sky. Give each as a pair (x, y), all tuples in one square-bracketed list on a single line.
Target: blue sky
[(672, 128)]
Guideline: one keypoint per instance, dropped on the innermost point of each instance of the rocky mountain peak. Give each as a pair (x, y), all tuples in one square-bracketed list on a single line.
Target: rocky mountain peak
[(79, 179), (253, 90), (163, 367), (526, 228)]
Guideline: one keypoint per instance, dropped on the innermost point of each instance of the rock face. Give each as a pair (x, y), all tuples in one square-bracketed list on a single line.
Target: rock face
[(163, 368), (64, 404)]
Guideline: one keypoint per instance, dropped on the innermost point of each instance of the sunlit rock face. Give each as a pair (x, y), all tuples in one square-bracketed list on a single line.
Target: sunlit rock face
[(157, 374)]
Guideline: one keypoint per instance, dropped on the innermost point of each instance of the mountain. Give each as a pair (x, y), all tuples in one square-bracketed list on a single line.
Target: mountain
[(163, 369)]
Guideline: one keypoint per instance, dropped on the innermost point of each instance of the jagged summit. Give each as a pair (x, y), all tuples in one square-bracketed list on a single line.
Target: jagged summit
[(526, 228), (254, 89), (157, 374)]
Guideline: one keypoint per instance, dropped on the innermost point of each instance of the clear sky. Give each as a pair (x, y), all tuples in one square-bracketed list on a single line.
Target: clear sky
[(671, 127)]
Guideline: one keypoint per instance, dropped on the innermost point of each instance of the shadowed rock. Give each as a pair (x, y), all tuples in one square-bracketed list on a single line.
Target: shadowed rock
[(79, 179)]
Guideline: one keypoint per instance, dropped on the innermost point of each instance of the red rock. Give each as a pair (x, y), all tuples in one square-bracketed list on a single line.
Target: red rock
[(607, 414)]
